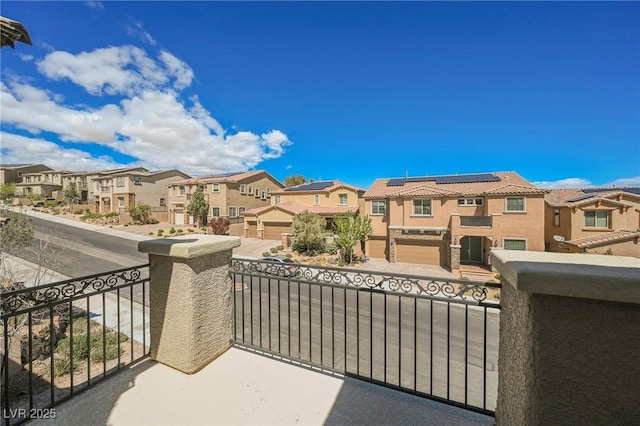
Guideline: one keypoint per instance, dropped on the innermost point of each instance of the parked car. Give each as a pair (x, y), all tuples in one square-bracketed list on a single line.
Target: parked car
[(47, 202), (279, 265)]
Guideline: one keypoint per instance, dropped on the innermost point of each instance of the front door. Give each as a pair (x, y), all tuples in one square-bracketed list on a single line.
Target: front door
[(471, 250)]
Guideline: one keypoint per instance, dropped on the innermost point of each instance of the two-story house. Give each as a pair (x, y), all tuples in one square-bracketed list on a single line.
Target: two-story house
[(326, 198), (593, 220), (43, 183), (12, 173), (117, 190), (453, 219), (228, 195)]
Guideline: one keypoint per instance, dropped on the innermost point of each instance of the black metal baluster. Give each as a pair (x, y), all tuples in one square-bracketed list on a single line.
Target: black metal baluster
[(118, 296), (279, 321), (448, 347), (357, 331), (310, 331), (234, 294), (289, 316), (52, 332), (321, 326), (104, 336), (371, 335), (131, 335), (269, 311), (400, 341), (251, 307), (144, 318), (5, 368), (333, 331), (30, 321), (345, 329), (431, 347), (299, 324), (415, 344), (260, 311), (70, 346), (466, 352), (88, 341), (484, 363)]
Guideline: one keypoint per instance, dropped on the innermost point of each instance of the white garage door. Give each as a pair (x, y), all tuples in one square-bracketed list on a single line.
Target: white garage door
[(179, 218)]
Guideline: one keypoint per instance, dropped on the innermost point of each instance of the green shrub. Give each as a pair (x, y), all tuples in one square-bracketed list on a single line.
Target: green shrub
[(180, 231), (266, 254), (160, 232), (126, 224), (150, 233), (190, 230), (289, 255), (78, 211), (279, 248), (331, 249), (273, 250), (172, 230)]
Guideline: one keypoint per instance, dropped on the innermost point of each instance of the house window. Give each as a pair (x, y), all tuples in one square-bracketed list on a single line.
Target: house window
[(556, 217), (120, 181), (316, 200), (422, 207), (136, 180), (514, 204), (243, 189), (470, 201), (181, 189), (163, 201), (257, 192), (250, 189), (264, 195), (121, 202), (268, 191), (342, 199), (596, 219), (277, 199), (215, 211), (215, 187), (241, 211), (378, 207), (233, 212), (513, 244)]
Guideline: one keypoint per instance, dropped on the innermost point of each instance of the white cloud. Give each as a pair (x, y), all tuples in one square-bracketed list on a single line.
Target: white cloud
[(137, 30), (95, 5), (149, 121), (630, 181), (564, 183), (288, 167), (111, 70), (20, 150), (182, 72), (583, 183), (26, 58)]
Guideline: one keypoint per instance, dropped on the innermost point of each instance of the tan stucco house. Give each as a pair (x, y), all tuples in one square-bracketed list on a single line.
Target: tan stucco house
[(453, 219), (44, 183), (326, 198), (229, 195), (12, 173), (116, 191), (593, 220)]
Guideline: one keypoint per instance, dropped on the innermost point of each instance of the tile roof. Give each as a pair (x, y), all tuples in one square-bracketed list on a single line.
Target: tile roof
[(297, 208), (581, 196), (225, 177), (603, 239), (510, 182), (334, 185)]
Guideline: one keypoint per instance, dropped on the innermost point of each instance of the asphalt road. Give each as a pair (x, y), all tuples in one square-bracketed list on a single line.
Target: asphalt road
[(77, 252), (445, 359)]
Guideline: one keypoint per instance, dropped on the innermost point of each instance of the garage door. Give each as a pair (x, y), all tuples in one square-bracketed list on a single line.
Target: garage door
[(377, 248), (253, 229), (273, 231), (420, 251), (180, 218)]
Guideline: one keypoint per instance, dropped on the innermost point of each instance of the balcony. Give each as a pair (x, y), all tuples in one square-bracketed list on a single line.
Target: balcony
[(336, 346), (476, 221)]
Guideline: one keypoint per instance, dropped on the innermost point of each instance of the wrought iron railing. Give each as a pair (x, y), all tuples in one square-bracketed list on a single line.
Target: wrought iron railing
[(476, 221), (432, 337), (61, 338)]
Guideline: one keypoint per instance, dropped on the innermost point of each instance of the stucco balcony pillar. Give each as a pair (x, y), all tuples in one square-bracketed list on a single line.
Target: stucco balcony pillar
[(569, 339), (190, 299)]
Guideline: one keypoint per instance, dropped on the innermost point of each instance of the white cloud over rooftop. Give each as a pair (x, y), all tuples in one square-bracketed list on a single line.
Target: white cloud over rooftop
[(137, 109)]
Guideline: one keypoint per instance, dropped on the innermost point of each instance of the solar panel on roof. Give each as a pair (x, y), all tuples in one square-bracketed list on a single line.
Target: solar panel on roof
[(395, 182), (313, 186), (442, 180), (582, 197)]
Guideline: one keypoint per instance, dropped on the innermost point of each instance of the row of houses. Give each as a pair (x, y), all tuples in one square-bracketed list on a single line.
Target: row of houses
[(440, 220)]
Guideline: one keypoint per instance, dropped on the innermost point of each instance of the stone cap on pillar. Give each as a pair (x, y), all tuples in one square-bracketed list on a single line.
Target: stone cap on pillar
[(587, 276), (189, 246)]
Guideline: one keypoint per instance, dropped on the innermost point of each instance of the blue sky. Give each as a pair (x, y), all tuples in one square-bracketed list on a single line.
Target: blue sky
[(331, 90)]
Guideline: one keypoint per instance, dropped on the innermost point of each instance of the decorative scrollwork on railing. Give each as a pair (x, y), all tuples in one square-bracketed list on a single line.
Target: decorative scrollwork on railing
[(44, 295), (373, 280)]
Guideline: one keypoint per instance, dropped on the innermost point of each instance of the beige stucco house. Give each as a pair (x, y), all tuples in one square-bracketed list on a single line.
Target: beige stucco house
[(116, 191), (594, 220), (12, 173), (326, 198), (453, 219), (43, 183), (229, 195)]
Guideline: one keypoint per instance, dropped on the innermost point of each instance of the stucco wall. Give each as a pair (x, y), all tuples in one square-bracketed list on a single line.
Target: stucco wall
[(568, 360)]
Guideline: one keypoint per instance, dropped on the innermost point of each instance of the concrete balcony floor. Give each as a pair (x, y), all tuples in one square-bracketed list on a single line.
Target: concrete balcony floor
[(244, 388)]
